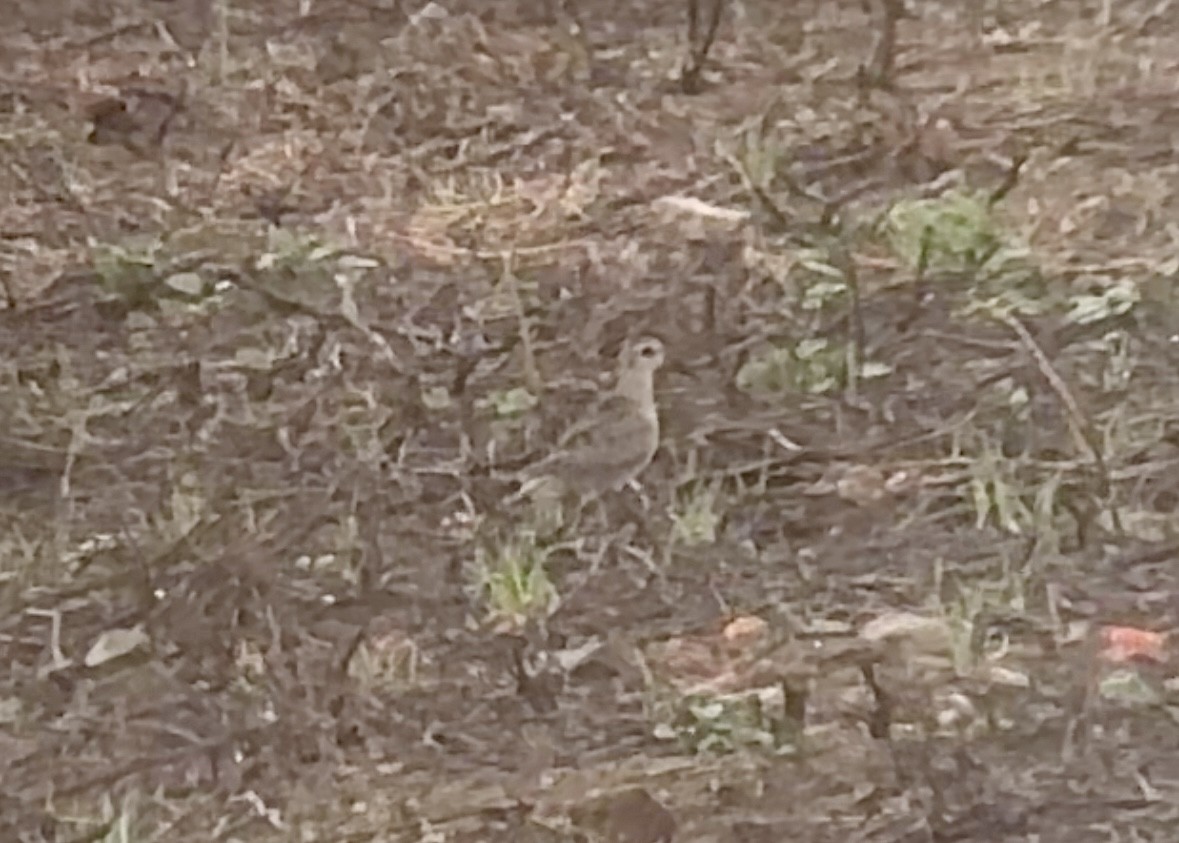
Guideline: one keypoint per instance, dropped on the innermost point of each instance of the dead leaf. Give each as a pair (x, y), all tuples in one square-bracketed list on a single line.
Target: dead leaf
[(114, 644)]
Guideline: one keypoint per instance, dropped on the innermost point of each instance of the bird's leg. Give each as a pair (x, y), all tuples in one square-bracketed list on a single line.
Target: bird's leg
[(645, 557), (635, 486), (622, 541), (597, 503), (599, 555), (641, 520)]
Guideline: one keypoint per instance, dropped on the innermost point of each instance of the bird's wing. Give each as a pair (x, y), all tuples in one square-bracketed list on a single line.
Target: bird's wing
[(614, 418)]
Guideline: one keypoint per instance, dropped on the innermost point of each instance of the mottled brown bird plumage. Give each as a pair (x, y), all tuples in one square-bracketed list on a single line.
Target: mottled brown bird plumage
[(619, 437)]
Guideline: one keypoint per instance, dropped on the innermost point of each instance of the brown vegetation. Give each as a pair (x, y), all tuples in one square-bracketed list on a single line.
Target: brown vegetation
[(290, 290)]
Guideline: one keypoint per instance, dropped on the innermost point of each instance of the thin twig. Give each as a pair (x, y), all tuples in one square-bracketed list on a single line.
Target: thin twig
[(531, 372), (878, 71), (843, 261), (1010, 180), (698, 47), (1079, 425)]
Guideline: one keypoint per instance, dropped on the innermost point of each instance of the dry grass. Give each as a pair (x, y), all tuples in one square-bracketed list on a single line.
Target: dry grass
[(279, 313)]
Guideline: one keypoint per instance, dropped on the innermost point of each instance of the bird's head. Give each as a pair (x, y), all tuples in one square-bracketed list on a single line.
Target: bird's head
[(646, 354)]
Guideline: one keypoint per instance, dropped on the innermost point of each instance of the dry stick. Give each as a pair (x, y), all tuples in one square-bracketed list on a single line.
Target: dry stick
[(1010, 180), (923, 255), (1079, 426), (769, 205), (222, 14), (531, 373), (698, 47), (781, 218), (879, 69), (843, 261)]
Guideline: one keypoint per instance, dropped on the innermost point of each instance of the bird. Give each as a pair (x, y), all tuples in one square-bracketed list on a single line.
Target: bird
[(615, 441)]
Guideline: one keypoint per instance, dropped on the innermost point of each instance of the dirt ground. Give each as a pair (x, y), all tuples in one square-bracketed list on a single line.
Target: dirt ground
[(291, 290)]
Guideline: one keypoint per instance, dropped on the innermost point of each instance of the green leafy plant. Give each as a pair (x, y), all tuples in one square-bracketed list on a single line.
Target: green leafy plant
[(724, 723), (148, 272), (760, 155), (510, 403), (695, 519), (512, 580), (387, 659), (819, 280), (129, 270), (1108, 298), (812, 365), (286, 248), (996, 495), (1129, 688), (955, 231)]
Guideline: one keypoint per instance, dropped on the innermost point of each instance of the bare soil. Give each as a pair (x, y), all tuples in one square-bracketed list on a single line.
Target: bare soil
[(271, 269)]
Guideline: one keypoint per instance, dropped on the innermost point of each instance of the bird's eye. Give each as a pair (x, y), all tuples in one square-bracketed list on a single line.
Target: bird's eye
[(647, 351)]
